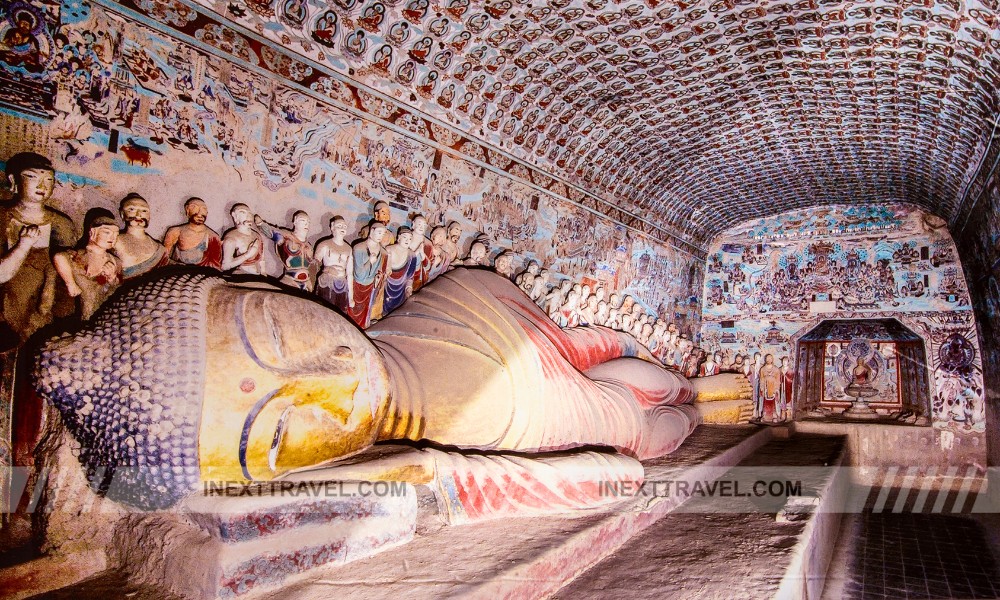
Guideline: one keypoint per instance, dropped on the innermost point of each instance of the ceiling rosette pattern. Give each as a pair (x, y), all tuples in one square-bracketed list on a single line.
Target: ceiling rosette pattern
[(697, 115)]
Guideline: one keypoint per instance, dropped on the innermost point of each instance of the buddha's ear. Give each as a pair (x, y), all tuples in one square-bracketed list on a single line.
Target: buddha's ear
[(12, 181)]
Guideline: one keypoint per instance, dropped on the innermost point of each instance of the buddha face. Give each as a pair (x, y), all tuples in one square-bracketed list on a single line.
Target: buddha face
[(35, 185), (289, 384)]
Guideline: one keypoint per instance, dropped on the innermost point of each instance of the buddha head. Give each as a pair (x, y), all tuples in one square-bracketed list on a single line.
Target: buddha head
[(188, 377)]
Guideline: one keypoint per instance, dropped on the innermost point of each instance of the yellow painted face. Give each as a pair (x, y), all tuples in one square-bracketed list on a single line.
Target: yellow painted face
[(289, 384)]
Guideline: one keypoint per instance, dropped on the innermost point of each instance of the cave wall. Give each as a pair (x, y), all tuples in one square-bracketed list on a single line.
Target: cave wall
[(771, 280)]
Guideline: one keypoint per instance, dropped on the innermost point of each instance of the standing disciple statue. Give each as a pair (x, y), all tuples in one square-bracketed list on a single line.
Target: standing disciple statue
[(92, 273), (450, 245), (336, 277), (440, 262), (770, 383), (424, 250), (370, 264), (31, 233), (139, 252), (293, 248), (789, 380), (402, 264), (194, 243), (242, 246)]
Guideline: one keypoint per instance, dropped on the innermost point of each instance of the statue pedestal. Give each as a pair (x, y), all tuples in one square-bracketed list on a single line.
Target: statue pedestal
[(859, 407), (227, 545)]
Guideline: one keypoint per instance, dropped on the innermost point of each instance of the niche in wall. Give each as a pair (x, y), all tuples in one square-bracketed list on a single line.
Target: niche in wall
[(862, 369)]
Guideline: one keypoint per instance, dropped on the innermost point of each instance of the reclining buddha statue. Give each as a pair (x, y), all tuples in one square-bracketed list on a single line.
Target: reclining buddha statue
[(191, 377)]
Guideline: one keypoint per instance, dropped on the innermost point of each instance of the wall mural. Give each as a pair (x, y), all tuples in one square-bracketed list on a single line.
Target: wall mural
[(771, 279), (859, 99), (138, 111)]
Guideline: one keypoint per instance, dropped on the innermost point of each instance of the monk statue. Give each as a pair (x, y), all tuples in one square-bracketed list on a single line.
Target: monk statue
[(424, 250), (194, 243), (139, 252), (242, 381), (28, 298), (370, 266), (243, 246), (401, 264)]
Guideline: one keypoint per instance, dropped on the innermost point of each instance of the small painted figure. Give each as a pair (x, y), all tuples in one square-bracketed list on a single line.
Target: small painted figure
[(336, 277), (139, 252), (194, 243), (293, 248), (243, 246), (92, 273), (30, 233), (370, 264), (402, 264)]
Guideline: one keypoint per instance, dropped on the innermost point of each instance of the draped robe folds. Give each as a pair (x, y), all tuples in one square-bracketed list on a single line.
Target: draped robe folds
[(369, 277), (475, 364), (426, 255), (396, 283)]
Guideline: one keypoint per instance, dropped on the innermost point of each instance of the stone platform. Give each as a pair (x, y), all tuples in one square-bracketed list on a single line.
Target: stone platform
[(634, 543)]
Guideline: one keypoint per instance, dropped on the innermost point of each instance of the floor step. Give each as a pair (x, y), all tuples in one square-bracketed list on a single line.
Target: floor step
[(737, 547)]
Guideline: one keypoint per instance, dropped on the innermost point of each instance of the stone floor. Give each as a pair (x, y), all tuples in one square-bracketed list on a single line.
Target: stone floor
[(709, 548)]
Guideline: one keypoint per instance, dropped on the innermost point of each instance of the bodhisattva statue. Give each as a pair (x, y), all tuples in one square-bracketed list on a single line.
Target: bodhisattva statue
[(92, 273), (31, 234), (194, 243), (243, 246), (139, 252), (293, 248), (335, 283), (253, 382)]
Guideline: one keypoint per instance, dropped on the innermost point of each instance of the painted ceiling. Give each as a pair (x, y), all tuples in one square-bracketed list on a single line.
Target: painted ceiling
[(695, 115)]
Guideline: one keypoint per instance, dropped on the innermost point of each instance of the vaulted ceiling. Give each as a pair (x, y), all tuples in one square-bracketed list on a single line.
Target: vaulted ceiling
[(696, 115)]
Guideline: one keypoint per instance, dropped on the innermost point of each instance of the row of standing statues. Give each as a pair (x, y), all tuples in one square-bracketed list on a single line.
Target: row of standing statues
[(44, 266)]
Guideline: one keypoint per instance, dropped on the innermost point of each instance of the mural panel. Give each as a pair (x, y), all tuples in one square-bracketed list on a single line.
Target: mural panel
[(771, 279), (139, 111)]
